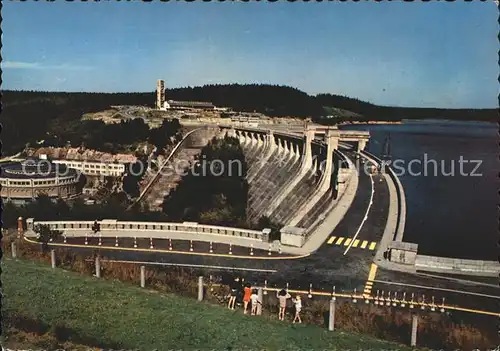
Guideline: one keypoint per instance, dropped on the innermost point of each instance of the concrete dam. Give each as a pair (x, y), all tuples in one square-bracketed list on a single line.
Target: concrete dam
[(305, 181)]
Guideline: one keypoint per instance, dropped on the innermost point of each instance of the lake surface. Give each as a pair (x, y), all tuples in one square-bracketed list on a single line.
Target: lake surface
[(452, 214)]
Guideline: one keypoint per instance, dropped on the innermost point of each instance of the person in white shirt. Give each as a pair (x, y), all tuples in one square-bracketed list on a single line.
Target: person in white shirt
[(298, 307), (254, 298), (282, 296)]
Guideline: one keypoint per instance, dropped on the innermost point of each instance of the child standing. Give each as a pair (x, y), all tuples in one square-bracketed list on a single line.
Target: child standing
[(235, 286), (246, 297), (283, 295), (255, 301), (298, 307)]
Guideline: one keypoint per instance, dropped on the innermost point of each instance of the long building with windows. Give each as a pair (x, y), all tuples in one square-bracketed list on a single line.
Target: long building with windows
[(23, 181), (188, 105), (163, 104), (89, 162), (91, 168)]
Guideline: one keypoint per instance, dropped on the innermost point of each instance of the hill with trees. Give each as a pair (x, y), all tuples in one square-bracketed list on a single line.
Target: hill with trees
[(272, 100), (27, 116), (371, 112), (279, 101)]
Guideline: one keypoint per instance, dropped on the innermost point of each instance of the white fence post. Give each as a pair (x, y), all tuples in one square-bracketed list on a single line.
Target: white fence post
[(331, 319), (414, 327), (200, 288), (143, 276), (97, 267), (13, 249), (260, 295), (53, 258)]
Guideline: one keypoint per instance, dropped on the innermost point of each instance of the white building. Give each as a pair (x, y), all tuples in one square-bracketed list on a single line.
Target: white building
[(94, 168), (187, 105), (87, 161)]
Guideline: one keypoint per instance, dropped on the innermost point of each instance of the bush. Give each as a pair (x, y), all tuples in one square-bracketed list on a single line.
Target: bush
[(45, 235)]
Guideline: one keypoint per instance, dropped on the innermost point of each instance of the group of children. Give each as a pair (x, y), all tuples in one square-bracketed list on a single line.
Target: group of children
[(283, 296), (250, 297)]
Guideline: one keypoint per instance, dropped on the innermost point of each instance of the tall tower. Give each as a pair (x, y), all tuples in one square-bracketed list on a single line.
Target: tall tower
[(160, 93)]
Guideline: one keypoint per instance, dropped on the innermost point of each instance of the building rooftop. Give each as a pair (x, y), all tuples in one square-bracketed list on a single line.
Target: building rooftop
[(401, 245), (193, 104), (80, 154), (34, 169)]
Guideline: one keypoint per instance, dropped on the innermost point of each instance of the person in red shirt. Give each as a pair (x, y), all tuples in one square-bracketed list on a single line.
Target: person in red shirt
[(247, 292)]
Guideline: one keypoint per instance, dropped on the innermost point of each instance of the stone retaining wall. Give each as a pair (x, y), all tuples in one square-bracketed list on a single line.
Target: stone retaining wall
[(153, 229), (457, 266)]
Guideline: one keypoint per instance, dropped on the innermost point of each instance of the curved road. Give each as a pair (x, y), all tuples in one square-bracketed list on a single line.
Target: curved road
[(324, 268), (328, 266)]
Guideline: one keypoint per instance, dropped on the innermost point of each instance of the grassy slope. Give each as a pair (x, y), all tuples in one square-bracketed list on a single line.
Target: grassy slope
[(114, 314)]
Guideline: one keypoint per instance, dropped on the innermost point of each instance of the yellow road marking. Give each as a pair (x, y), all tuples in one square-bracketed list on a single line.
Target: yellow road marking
[(347, 241), (363, 245), (331, 240), (340, 241), (371, 277), (356, 242), (372, 246), (373, 271)]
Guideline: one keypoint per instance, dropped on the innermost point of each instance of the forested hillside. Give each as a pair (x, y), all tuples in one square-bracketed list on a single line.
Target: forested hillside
[(272, 100), (373, 112), (27, 116)]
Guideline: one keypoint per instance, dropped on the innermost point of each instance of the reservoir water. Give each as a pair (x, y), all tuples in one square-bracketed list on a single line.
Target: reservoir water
[(451, 212)]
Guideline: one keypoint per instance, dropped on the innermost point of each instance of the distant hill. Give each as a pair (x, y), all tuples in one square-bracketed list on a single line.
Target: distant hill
[(28, 115), (368, 111), (272, 100)]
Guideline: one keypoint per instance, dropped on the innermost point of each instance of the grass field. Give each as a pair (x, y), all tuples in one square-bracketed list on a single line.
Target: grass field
[(110, 314)]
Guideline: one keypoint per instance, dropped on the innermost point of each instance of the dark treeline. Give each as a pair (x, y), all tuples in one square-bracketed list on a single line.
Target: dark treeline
[(345, 103), (44, 209), (212, 192), (210, 195), (113, 138), (98, 135), (277, 101), (27, 116), (272, 100), (373, 112)]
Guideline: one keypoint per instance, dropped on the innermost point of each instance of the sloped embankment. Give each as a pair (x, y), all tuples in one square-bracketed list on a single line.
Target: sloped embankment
[(88, 310)]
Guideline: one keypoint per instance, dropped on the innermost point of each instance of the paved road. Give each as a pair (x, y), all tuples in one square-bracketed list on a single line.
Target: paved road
[(469, 294), (326, 267)]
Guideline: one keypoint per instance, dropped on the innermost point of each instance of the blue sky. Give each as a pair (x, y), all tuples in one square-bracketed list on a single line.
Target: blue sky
[(402, 54)]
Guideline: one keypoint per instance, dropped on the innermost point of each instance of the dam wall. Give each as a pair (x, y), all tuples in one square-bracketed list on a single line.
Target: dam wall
[(457, 266)]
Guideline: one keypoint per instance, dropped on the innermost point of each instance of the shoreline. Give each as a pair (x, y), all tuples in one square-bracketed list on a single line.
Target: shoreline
[(370, 122), (407, 121)]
